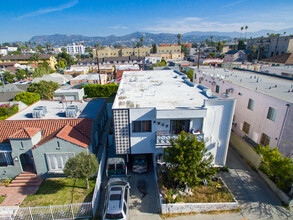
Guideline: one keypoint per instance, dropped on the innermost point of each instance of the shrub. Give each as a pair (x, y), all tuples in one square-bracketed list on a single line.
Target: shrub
[(96, 90), (27, 98)]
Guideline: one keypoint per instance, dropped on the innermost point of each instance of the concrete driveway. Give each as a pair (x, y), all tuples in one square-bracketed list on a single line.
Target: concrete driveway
[(143, 196)]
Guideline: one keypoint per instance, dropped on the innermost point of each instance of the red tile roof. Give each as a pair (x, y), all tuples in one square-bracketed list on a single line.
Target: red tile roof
[(78, 130), (24, 133)]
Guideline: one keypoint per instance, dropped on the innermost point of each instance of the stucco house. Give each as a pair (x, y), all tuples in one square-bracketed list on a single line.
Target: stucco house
[(42, 137), (236, 55)]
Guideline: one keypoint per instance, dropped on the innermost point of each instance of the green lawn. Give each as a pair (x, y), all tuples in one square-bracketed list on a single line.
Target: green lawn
[(2, 199), (60, 191)]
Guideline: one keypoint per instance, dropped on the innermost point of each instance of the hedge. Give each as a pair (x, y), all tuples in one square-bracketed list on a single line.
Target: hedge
[(96, 90)]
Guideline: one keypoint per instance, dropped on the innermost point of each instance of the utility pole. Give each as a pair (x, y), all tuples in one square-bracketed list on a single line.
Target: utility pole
[(198, 56), (278, 35), (98, 66)]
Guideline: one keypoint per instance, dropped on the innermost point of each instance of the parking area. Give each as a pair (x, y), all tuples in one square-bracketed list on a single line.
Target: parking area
[(143, 195), (143, 202)]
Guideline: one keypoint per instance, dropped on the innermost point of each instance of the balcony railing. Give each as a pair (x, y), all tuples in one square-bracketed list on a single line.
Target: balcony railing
[(165, 138)]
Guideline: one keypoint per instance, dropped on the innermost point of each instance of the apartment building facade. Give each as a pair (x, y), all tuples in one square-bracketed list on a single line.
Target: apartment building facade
[(75, 49), (264, 109), (151, 107), (272, 46)]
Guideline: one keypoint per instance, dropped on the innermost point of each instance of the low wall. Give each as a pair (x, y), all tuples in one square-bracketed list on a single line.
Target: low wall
[(245, 150), (282, 196), (199, 207)]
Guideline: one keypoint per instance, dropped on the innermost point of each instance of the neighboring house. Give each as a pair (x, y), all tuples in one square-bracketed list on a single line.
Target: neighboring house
[(35, 140), (94, 78), (285, 59), (264, 105), (24, 59), (149, 60), (151, 107), (8, 91), (55, 77), (75, 49), (120, 69), (69, 94), (273, 46), (124, 52), (110, 60), (236, 56)]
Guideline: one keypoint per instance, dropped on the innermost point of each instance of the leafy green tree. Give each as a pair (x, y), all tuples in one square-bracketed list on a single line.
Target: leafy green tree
[(35, 57), (241, 45), (212, 55), (44, 88), (154, 49), (40, 71), (189, 161), (61, 64), (96, 90), (162, 63), (67, 57), (63, 49), (183, 49), (6, 44), (21, 74), (179, 38), (194, 45), (8, 77), (278, 168), (27, 98), (40, 48), (82, 166), (189, 74), (15, 53), (220, 46)]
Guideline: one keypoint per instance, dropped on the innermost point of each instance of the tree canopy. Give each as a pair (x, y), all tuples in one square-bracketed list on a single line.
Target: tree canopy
[(241, 45), (27, 98), (189, 161), (44, 88), (82, 166), (67, 57)]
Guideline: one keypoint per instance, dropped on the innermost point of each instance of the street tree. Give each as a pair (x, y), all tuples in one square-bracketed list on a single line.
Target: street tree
[(67, 57), (194, 45), (188, 159), (241, 45), (220, 46), (154, 48), (27, 98), (179, 38), (82, 166), (44, 88), (246, 27)]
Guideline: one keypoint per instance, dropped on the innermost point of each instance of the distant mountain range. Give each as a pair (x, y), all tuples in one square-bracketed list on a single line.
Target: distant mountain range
[(149, 38)]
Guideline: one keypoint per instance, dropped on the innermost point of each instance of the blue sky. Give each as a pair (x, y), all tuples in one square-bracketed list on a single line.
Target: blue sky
[(22, 19)]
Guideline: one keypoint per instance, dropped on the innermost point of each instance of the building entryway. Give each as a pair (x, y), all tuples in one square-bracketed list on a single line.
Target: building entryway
[(27, 163)]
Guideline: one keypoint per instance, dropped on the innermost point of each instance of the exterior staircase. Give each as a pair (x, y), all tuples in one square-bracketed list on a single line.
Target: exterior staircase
[(26, 179)]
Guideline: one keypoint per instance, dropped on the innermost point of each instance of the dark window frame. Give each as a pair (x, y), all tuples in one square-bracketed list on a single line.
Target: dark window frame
[(246, 127), (143, 126)]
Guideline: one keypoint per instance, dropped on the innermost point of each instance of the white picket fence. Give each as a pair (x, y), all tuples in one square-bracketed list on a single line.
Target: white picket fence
[(55, 212)]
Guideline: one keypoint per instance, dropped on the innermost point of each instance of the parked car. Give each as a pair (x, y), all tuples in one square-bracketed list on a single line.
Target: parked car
[(140, 164), (116, 204), (116, 167)]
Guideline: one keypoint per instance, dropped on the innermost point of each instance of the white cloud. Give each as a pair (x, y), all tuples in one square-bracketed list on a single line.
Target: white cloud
[(232, 4), (189, 24), (118, 27), (48, 10)]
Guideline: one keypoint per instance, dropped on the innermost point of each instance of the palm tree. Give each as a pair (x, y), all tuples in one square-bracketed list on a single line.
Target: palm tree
[(246, 27), (141, 40), (212, 40), (179, 37), (241, 31)]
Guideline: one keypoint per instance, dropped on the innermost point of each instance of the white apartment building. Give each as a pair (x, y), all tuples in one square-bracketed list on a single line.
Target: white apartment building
[(75, 49), (264, 110), (151, 107)]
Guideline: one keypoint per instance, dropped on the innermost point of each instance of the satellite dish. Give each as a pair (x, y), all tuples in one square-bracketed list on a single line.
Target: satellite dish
[(225, 95)]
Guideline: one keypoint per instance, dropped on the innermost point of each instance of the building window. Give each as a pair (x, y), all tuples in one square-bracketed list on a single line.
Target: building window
[(250, 104), (246, 127), (217, 89), (265, 140), (6, 159), (272, 114), (56, 162), (21, 146), (177, 126), (58, 146), (141, 126)]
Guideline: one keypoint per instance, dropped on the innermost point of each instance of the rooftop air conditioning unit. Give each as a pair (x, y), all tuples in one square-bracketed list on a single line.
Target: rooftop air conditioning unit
[(39, 112), (71, 111)]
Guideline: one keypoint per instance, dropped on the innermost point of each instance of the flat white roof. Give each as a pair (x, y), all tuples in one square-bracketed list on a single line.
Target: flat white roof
[(268, 85), (163, 89), (95, 76), (56, 109)]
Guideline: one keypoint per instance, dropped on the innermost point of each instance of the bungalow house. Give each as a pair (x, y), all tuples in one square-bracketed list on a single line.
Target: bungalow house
[(236, 56), (42, 137)]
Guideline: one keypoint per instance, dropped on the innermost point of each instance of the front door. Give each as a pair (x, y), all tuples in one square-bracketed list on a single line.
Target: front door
[(26, 162)]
